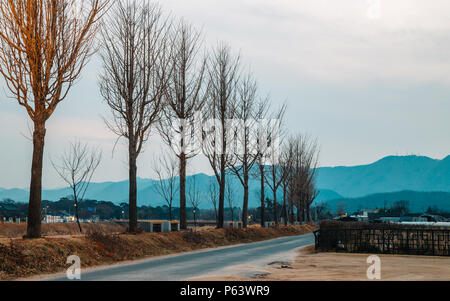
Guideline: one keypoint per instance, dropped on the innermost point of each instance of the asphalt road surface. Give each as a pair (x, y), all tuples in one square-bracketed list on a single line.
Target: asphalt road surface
[(196, 264)]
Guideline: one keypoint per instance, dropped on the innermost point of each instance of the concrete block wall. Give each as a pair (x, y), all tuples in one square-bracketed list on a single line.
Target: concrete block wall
[(166, 226), (147, 226)]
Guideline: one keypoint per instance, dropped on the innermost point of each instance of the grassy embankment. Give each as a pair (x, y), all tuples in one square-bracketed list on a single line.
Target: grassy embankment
[(23, 258)]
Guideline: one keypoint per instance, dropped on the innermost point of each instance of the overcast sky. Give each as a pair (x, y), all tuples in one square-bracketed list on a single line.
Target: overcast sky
[(367, 78)]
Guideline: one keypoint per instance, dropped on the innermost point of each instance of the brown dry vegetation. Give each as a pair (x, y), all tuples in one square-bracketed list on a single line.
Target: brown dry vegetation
[(13, 230), (23, 258)]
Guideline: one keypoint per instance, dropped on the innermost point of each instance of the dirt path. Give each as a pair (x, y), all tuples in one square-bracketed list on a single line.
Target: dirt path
[(309, 266)]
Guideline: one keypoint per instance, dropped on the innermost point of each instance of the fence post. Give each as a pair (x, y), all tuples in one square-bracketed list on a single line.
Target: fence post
[(345, 239), (407, 240), (382, 246), (360, 240), (432, 239)]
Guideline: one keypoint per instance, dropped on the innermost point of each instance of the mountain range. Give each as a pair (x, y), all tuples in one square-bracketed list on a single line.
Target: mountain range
[(418, 201), (390, 174), (389, 179)]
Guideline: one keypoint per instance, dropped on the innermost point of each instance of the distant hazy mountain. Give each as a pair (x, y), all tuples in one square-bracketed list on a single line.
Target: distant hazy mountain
[(388, 175), (418, 201), (391, 174), (117, 192)]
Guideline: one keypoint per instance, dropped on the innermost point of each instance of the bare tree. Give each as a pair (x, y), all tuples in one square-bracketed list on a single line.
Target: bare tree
[(184, 96), (135, 76), (273, 173), (310, 196), (322, 211), (76, 167), (166, 170), (304, 166), (264, 146), (286, 165), (259, 175), (194, 197), (296, 178), (229, 195), (309, 191), (213, 194), (43, 49), (245, 133), (341, 209), (223, 71)]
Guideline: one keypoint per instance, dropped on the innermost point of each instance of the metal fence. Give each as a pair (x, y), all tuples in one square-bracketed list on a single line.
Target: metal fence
[(383, 239)]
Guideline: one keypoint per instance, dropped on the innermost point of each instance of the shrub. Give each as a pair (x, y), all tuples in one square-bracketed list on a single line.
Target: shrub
[(193, 237)]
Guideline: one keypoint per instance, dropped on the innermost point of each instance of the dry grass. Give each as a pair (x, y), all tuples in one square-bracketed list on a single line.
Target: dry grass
[(13, 230), (23, 258)]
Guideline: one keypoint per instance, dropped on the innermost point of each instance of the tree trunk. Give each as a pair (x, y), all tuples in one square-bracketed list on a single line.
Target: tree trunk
[(183, 218), (245, 208), (220, 219), (285, 214), (170, 211), (222, 184), (303, 212), (308, 213), (292, 213), (275, 210), (132, 214), (77, 215), (215, 211), (35, 201), (263, 197)]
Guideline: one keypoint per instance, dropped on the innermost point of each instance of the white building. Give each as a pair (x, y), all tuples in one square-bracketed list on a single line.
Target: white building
[(51, 219)]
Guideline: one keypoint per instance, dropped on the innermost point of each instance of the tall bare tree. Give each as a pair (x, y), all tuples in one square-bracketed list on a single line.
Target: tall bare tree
[(194, 197), (266, 130), (230, 197), (76, 167), (310, 196), (136, 68), (44, 45), (213, 194), (302, 191), (166, 170), (273, 173), (184, 96), (245, 133), (223, 72), (286, 165)]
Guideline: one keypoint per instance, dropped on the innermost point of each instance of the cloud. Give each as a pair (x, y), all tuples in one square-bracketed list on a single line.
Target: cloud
[(332, 40)]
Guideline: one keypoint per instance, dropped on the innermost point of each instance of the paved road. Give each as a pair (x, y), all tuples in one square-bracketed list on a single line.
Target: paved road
[(196, 264)]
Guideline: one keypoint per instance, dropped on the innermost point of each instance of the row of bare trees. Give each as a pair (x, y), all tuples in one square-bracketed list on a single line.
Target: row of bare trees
[(156, 77), (299, 165)]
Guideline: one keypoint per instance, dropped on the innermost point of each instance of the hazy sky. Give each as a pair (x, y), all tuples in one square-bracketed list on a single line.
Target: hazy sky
[(367, 78)]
